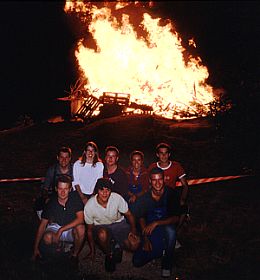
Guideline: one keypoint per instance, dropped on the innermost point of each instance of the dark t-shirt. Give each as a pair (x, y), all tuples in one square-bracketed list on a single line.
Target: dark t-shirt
[(119, 180), (169, 200), (57, 213), (52, 176)]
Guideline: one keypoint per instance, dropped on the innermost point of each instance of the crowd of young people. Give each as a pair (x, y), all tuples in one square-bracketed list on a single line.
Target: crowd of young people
[(134, 208)]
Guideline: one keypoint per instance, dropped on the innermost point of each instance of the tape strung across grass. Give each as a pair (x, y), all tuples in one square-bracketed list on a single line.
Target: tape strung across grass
[(21, 180), (209, 180), (191, 181)]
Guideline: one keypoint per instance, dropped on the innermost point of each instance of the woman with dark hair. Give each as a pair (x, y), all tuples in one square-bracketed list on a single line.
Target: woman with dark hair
[(86, 170), (138, 178)]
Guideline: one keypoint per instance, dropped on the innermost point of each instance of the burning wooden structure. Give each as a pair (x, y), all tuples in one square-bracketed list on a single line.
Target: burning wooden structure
[(85, 107), (108, 105)]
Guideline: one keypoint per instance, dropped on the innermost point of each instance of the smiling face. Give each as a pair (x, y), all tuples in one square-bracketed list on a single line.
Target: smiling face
[(163, 155), (103, 195), (64, 159), (111, 158), (63, 190), (90, 154), (157, 183), (136, 162)]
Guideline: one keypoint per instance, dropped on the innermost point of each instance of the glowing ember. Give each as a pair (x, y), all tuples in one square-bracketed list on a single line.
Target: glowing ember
[(151, 67)]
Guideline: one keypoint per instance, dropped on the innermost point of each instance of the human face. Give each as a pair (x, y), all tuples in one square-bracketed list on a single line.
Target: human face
[(64, 159), (103, 195), (163, 155), (157, 183), (90, 153), (136, 162), (111, 158), (63, 190)]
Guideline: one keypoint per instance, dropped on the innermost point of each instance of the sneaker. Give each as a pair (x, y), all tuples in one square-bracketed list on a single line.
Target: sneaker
[(177, 244), (110, 264), (117, 253), (166, 273)]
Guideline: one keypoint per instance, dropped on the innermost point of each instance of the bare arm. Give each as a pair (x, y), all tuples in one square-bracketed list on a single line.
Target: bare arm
[(83, 198), (147, 244), (149, 228), (38, 237), (131, 220), (185, 190), (77, 221)]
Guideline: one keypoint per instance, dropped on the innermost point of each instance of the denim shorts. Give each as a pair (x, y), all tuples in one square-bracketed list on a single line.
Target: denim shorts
[(119, 231)]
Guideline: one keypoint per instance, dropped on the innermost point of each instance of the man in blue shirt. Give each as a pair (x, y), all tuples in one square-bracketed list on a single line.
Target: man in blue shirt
[(158, 214)]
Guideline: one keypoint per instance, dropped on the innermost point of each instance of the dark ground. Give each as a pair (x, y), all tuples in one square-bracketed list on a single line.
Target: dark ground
[(221, 241)]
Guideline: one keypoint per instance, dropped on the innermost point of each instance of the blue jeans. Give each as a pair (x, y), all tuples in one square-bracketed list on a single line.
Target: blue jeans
[(163, 240)]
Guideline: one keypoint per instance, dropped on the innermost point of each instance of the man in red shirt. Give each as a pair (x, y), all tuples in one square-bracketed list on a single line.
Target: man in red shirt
[(173, 172)]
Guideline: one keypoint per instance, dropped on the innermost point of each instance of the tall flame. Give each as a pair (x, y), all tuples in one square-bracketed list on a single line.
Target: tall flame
[(151, 67)]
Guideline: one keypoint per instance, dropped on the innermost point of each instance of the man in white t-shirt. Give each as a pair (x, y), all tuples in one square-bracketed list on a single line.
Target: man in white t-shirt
[(104, 215)]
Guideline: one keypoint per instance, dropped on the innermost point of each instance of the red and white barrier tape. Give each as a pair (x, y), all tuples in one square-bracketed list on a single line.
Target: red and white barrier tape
[(209, 180), (191, 181), (21, 179)]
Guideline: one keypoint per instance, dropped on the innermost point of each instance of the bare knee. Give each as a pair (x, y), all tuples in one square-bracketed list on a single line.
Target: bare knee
[(102, 235), (48, 237), (79, 231)]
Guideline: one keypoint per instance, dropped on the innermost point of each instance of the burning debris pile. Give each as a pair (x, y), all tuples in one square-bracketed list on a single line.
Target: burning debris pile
[(86, 106), (126, 50)]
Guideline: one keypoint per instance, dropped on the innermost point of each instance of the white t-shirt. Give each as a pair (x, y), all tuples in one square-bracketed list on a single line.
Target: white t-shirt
[(86, 176), (96, 214)]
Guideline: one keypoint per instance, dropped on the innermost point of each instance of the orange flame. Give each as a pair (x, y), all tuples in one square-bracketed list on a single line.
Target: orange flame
[(152, 67)]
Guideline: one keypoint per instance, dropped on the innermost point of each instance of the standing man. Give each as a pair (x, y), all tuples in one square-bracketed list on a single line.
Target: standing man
[(158, 216), (61, 167), (106, 224), (173, 172), (62, 221), (114, 172)]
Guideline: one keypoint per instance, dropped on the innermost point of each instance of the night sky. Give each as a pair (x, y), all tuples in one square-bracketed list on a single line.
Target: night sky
[(38, 39)]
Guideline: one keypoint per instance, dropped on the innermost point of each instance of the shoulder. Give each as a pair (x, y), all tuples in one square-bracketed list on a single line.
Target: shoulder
[(90, 203), (52, 168), (77, 163), (120, 169), (144, 170), (171, 193), (116, 196), (99, 164), (128, 170), (74, 196), (176, 164), (52, 202), (152, 165), (145, 197)]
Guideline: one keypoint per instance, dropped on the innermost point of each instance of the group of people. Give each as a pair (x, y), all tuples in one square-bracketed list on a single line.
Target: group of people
[(135, 208)]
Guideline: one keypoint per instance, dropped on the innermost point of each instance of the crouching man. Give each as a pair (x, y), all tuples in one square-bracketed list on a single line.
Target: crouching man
[(62, 221), (158, 213), (105, 214)]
